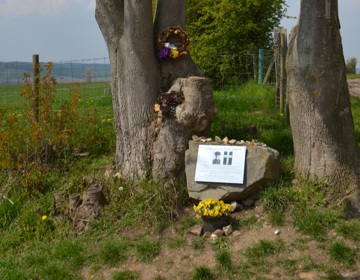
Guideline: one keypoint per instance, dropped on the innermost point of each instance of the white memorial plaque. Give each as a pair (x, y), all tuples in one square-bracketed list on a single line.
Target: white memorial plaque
[(220, 164)]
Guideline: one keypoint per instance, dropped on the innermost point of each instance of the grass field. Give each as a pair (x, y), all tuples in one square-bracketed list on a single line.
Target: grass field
[(142, 233), (92, 94)]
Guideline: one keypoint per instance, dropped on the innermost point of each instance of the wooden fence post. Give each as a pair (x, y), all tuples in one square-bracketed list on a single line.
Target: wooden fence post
[(280, 58), (35, 86), (261, 66), (282, 71)]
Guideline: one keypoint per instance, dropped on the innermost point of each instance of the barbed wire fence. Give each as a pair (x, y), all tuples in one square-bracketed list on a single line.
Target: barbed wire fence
[(93, 76)]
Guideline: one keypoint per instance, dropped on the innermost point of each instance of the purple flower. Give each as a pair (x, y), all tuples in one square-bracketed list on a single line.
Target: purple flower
[(164, 54)]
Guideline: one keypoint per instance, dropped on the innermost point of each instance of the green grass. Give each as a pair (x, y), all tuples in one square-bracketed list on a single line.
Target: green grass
[(263, 249), (353, 76), (342, 253), (92, 95), (50, 249), (349, 229), (115, 251), (146, 249), (248, 222), (176, 243), (251, 105), (223, 259), (203, 273)]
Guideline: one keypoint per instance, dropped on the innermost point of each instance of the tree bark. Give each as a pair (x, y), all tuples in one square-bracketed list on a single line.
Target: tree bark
[(321, 121), (147, 143), (194, 116), (127, 28), (173, 13)]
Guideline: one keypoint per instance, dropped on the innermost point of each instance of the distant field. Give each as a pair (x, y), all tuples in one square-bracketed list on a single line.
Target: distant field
[(92, 94)]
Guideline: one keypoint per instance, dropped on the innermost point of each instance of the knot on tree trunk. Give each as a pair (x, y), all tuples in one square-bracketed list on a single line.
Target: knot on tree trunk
[(193, 116)]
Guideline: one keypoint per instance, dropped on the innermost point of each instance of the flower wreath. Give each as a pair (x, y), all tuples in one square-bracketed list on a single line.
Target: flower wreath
[(172, 42)]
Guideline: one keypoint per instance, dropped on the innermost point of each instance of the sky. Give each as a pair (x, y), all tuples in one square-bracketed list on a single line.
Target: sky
[(349, 14), (63, 30)]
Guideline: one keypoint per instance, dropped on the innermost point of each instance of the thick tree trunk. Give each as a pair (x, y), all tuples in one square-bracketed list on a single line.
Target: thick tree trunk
[(173, 13), (320, 115), (193, 116), (147, 143), (127, 28)]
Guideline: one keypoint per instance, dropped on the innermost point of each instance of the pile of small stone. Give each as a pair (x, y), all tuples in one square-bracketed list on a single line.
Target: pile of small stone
[(226, 141)]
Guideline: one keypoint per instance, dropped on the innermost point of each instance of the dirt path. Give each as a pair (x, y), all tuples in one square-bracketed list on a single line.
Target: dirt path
[(354, 87)]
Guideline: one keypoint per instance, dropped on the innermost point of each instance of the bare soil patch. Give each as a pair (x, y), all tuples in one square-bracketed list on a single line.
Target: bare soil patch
[(302, 257)]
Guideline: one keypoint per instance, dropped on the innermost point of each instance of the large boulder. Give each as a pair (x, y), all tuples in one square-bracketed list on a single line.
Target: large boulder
[(262, 165)]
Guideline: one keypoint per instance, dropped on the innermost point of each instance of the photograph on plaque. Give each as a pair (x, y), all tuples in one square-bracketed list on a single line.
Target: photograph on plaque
[(220, 164)]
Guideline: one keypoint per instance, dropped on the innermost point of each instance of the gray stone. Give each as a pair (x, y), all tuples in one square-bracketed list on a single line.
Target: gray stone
[(225, 140), (228, 230), (233, 206), (219, 232), (232, 141), (350, 276), (214, 237), (261, 167), (248, 202), (195, 230), (218, 139), (258, 203), (195, 138)]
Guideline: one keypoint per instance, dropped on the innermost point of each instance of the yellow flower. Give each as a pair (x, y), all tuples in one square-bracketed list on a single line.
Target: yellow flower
[(44, 217), (174, 53), (212, 208)]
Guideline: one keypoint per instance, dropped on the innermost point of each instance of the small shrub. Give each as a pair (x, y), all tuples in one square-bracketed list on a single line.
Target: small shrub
[(43, 134), (277, 218), (198, 244), (220, 243), (202, 273), (223, 259), (277, 198), (341, 253), (351, 65)]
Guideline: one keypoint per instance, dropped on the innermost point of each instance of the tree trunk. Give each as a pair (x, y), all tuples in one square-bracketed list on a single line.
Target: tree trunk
[(147, 143), (321, 121), (173, 13), (127, 28), (193, 116)]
